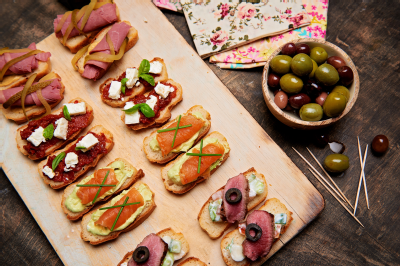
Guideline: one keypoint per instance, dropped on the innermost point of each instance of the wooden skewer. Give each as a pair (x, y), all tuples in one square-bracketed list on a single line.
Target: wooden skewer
[(361, 164), (302, 157), (344, 206), (330, 178), (359, 183)]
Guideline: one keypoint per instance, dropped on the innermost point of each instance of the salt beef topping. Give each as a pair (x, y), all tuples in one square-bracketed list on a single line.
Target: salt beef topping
[(261, 247), (236, 212), (157, 251)]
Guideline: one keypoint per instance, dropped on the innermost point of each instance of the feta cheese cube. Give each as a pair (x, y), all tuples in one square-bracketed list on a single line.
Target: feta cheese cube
[(76, 108), (155, 67), (163, 90), (115, 90), (70, 161), (152, 101), (132, 74), (61, 129), (48, 171), (88, 142), (131, 118), (37, 137)]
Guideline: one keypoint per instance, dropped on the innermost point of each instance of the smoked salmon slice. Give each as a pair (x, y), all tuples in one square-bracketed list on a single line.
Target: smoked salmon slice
[(188, 172), (87, 194), (108, 217), (165, 139)]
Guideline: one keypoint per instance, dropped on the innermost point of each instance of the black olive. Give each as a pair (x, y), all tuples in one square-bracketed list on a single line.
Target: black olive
[(141, 254), (257, 230), (231, 192)]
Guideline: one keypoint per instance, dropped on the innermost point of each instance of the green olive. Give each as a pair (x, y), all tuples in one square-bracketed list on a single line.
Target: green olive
[(315, 66), (334, 104), (291, 83), (327, 75), (342, 90), (280, 64), (311, 112), (301, 65), (319, 55), (336, 163)]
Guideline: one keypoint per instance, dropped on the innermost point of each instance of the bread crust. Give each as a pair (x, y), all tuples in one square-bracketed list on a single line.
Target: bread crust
[(165, 232), (141, 89), (21, 142), (137, 175), (170, 186), (192, 261), (165, 114), (109, 145), (216, 230), (156, 156), (96, 239), (17, 115)]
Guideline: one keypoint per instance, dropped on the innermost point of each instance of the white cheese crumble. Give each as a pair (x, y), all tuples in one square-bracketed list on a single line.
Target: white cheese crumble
[(76, 108), (163, 90), (115, 90), (61, 129), (88, 142), (48, 171), (132, 74), (70, 161), (152, 101), (37, 137), (155, 67), (131, 118), (237, 252)]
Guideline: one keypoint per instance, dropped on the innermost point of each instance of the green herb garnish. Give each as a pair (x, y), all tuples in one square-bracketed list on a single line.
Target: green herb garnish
[(48, 132), (123, 84), (144, 69), (78, 148), (57, 160), (66, 113), (117, 206), (119, 213), (98, 191), (201, 154), (144, 108)]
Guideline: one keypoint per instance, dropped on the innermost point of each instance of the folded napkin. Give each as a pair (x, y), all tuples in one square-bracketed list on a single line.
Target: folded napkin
[(174, 5)]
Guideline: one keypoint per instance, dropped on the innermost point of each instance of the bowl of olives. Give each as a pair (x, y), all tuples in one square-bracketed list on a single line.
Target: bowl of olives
[(310, 83)]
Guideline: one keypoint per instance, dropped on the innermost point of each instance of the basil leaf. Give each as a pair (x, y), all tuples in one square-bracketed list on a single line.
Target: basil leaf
[(66, 113), (133, 109), (148, 78), (48, 132), (144, 67), (78, 148), (123, 84), (57, 160), (147, 111)]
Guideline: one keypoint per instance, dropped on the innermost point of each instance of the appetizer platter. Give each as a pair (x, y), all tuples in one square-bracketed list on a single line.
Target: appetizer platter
[(227, 142)]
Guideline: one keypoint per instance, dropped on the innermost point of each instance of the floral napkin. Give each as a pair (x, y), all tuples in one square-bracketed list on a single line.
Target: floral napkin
[(174, 5), (255, 54), (226, 24)]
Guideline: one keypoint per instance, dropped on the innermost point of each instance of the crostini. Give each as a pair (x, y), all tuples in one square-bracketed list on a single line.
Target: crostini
[(41, 137), (163, 248), (108, 221), (117, 91), (184, 173), (93, 61), (253, 239), (80, 197), (89, 20), (153, 108), (248, 190), (162, 145), (40, 98), (192, 261), (64, 166)]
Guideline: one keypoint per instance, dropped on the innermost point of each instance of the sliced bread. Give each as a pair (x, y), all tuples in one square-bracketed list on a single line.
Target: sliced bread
[(192, 261)]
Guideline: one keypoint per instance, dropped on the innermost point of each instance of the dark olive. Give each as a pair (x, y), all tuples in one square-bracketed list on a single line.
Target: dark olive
[(289, 108), (298, 100), (327, 75), (312, 89), (289, 49), (303, 48), (141, 254), (301, 65), (233, 196), (281, 99), (321, 140), (336, 163), (256, 230), (336, 61), (346, 75), (276, 91), (319, 55), (380, 144), (273, 80), (281, 64)]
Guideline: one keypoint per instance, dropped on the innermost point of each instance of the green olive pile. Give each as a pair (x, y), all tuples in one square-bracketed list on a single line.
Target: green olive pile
[(308, 80)]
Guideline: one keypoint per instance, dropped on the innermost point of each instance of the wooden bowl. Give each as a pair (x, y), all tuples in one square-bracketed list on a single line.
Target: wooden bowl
[(293, 120)]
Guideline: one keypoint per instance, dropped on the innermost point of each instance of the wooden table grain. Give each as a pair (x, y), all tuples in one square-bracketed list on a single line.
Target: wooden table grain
[(368, 31)]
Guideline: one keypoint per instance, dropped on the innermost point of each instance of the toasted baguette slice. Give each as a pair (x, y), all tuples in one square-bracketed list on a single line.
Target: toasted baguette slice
[(132, 36), (166, 232), (97, 239), (109, 145), (137, 174), (16, 114), (272, 206), (192, 261), (216, 229), (21, 142), (165, 114), (137, 90), (156, 156), (177, 189)]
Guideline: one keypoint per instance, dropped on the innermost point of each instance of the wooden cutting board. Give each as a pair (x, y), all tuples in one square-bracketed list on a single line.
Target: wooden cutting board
[(250, 147)]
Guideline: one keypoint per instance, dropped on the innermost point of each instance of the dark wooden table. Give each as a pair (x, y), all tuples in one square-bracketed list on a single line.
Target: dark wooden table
[(369, 32)]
